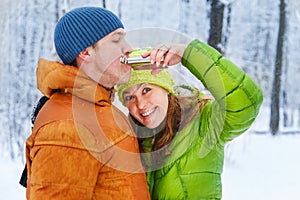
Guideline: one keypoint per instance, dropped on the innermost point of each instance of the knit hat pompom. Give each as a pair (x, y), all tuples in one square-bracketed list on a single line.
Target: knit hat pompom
[(80, 28), (162, 79)]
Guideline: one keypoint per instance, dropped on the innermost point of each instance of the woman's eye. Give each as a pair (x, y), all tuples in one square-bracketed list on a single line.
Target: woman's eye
[(128, 98), (146, 90)]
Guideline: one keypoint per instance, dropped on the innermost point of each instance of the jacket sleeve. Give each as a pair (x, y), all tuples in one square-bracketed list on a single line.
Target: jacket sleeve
[(237, 97)]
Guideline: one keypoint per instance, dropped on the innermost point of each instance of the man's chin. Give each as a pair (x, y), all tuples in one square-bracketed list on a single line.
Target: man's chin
[(124, 79)]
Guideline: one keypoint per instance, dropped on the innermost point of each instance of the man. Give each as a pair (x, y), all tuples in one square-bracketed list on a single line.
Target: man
[(81, 146)]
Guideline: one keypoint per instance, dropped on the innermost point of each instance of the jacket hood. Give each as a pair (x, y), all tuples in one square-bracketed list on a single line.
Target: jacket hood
[(191, 91), (54, 76)]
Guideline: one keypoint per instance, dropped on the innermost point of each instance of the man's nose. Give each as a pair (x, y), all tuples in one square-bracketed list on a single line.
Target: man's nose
[(127, 49)]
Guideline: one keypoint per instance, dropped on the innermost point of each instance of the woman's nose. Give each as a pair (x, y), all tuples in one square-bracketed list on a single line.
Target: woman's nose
[(141, 103)]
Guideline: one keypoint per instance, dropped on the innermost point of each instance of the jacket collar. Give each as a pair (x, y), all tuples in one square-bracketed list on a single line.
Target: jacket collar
[(54, 76)]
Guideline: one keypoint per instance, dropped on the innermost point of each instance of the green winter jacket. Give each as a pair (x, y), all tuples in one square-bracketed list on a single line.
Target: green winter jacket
[(194, 166)]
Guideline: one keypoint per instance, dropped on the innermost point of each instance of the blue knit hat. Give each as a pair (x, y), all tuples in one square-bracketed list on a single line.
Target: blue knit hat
[(80, 28)]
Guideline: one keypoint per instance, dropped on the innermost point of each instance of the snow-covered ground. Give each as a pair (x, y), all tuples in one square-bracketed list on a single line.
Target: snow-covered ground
[(262, 167), (11, 171), (257, 167)]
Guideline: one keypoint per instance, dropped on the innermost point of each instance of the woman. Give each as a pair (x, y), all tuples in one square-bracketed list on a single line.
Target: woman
[(182, 137)]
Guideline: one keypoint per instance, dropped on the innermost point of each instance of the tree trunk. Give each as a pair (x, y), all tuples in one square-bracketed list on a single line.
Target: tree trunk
[(227, 27), (276, 90), (216, 25)]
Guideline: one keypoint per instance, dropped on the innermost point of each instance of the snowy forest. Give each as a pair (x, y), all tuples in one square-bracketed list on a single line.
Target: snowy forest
[(262, 37)]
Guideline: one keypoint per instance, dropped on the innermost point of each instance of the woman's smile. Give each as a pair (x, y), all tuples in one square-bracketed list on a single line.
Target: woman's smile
[(147, 113)]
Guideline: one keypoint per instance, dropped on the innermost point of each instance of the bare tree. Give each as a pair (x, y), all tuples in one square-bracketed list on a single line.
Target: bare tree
[(216, 24), (228, 24), (28, 37), (185, 8), (276, 89)]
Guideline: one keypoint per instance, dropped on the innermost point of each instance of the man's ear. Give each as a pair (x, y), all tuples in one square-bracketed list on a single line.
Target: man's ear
[(84, 55)]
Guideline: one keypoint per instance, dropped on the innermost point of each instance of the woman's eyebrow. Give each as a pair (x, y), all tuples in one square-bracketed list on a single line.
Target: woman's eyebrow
[(136, 87)]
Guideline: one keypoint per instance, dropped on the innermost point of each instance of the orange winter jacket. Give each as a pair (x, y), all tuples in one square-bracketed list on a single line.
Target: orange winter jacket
[(81, 146)]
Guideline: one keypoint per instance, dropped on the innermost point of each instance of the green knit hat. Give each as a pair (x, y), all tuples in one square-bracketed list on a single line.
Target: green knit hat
[(162, 79)]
